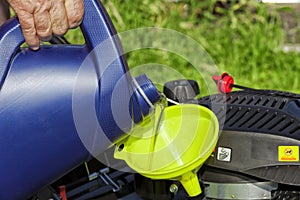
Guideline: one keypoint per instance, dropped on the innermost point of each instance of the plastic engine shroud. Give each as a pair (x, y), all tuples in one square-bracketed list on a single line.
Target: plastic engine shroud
[(255, 124)]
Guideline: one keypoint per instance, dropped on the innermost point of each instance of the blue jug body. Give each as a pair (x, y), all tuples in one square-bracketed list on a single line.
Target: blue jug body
[(46, 100)]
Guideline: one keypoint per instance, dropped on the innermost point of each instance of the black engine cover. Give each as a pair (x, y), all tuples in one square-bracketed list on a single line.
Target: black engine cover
[(261, 134)]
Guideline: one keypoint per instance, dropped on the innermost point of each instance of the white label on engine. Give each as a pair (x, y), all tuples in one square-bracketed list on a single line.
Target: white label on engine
[(224, 154)]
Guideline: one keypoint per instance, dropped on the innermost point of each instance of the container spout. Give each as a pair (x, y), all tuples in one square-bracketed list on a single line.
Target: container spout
[(145, 95)]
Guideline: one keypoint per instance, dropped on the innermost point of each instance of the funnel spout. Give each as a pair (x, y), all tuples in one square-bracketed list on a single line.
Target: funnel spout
[(191, 184)]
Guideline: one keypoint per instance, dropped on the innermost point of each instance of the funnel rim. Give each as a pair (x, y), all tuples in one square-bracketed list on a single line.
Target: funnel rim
[(193, 163)]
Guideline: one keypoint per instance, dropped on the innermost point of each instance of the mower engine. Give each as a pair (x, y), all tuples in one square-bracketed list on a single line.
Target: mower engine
[(257, 155)]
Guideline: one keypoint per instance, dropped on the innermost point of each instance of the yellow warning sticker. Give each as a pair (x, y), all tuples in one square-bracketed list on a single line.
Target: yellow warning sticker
[(288, 153)]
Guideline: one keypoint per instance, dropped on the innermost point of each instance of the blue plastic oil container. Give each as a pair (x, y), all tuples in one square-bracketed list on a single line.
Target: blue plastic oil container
[(48, 102)]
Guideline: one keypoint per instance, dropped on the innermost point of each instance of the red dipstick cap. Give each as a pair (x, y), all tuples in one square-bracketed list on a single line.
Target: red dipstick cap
[(224, 82)]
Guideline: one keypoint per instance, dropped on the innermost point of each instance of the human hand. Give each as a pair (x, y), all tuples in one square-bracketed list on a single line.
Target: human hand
[(39, 19)]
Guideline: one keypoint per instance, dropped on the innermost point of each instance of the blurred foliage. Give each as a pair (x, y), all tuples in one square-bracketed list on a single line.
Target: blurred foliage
[(243, 37)]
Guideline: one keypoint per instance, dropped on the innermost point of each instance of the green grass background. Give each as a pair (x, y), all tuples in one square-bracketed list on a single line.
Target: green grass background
[(245, 39)]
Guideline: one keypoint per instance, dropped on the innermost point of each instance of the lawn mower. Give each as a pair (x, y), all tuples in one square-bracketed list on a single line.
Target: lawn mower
[(177, 144)]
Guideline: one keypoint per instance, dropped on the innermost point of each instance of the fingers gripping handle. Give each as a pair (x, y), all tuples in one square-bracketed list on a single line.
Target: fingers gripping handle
[(96, 28)]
